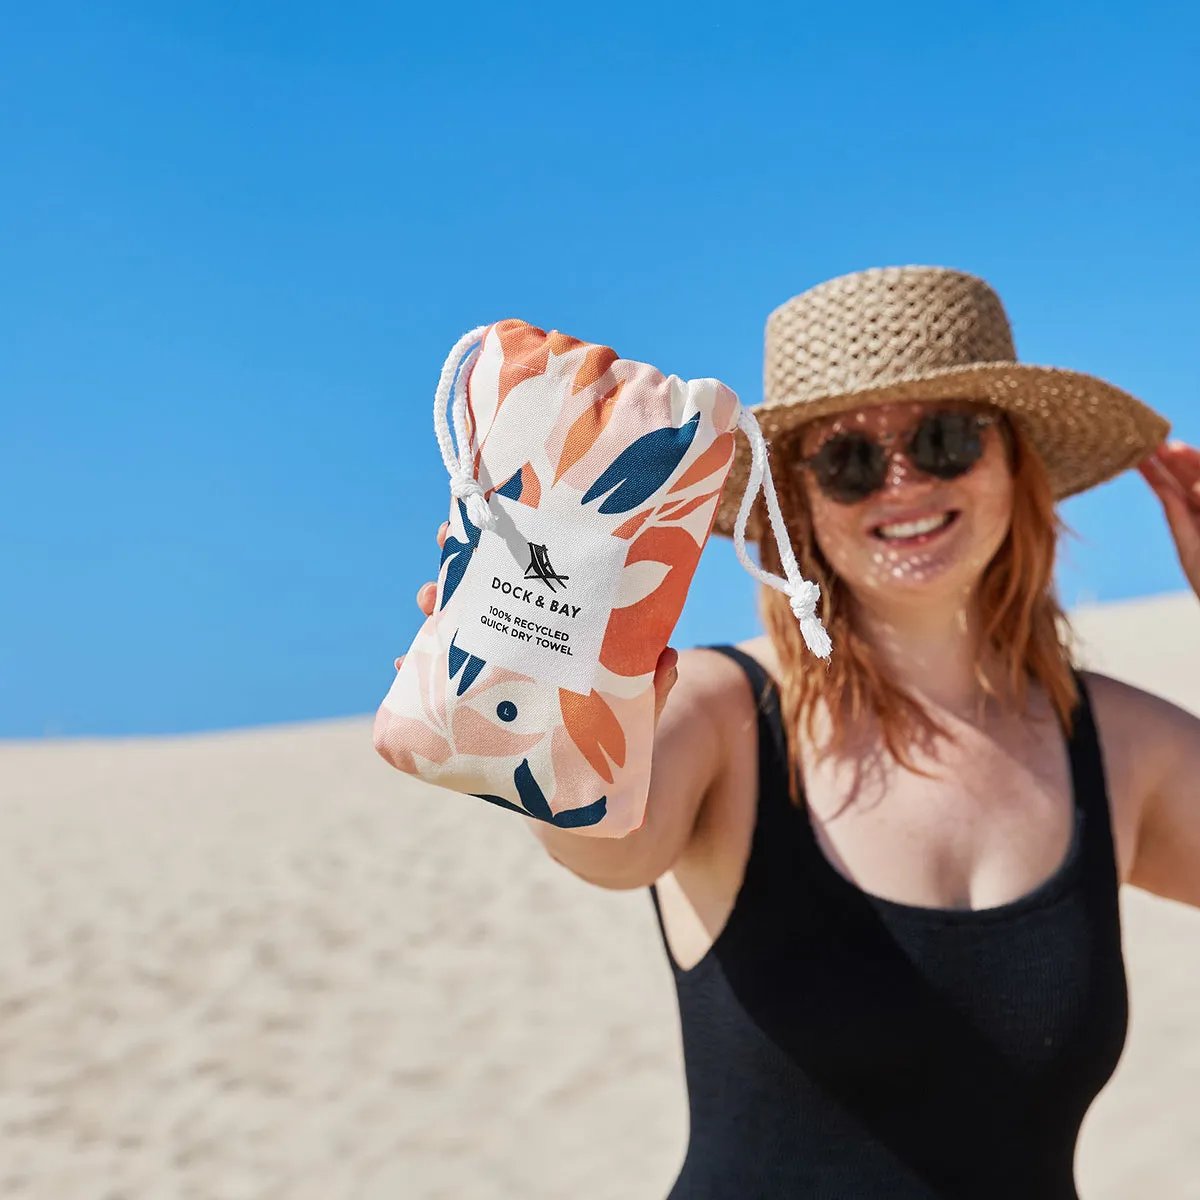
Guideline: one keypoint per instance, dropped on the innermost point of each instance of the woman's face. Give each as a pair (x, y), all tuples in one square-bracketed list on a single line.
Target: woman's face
[(917, 536)]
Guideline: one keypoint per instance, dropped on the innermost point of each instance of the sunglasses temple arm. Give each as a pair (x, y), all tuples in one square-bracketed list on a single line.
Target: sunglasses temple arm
[(802, 594), (463, 484)]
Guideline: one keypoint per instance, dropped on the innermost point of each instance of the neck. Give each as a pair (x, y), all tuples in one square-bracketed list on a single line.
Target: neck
[(930, 649)]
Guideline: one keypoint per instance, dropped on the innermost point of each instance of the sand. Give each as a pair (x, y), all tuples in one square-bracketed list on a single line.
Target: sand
[(261, 964)]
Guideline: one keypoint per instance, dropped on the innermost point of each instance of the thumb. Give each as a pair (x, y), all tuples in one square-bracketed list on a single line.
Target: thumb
[(666, 672)]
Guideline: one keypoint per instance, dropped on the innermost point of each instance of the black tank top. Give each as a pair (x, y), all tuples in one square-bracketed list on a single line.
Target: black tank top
[(841, 1046)]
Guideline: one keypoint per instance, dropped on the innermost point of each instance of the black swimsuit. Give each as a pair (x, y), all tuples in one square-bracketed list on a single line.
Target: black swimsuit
[(839, 1045)]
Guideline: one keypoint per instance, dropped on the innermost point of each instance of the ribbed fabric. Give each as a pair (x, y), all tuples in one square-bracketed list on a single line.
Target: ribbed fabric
[(839, 1045)]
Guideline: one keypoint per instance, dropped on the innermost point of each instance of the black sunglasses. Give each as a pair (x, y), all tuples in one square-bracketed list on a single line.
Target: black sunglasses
[(849, 467)]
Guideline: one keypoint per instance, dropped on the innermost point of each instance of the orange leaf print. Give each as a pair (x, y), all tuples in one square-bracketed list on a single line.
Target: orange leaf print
[(688, 506), (637, 633), (713, 459), (531, 489), (594, 730), (584, 431), (628, 528), (597, 360), (526, 352)]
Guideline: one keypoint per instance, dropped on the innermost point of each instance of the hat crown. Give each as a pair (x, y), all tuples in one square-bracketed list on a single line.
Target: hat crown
[(881, 326)]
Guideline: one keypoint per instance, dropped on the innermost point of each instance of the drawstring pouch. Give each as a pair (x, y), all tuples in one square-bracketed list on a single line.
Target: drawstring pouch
[(584, 487)]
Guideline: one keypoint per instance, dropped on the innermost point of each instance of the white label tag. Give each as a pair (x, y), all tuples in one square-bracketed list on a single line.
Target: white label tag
[(538, 594)]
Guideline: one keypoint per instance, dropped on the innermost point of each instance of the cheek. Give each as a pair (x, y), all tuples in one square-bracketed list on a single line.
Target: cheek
[(836, 529), (990, 490)]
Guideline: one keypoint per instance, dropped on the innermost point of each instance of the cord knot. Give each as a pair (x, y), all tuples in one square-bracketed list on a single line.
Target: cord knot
[(804, 596), (463, 485), (467, 488)]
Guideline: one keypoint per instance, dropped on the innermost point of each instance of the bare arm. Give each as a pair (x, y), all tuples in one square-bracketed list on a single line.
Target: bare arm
[(1167, 860), (688, 753), (1168, 847), (1152, 758)]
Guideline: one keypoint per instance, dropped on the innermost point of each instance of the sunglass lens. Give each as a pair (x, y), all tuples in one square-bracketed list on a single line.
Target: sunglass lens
[(849, 467), (946, 444)]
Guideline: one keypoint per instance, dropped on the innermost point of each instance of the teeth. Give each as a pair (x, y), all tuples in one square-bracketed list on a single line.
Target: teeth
[(907, 529)]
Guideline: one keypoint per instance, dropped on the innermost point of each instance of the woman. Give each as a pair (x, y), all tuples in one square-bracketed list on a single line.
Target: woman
[(888, 889)]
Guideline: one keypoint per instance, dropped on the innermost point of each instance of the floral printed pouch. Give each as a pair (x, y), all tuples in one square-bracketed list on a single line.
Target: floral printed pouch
[(584, 489)]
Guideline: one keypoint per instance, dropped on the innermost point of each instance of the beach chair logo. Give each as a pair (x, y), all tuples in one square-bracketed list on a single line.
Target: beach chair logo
[(541, 568)]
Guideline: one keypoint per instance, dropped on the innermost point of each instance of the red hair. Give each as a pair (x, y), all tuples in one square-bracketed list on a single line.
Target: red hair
[(1021, 624)]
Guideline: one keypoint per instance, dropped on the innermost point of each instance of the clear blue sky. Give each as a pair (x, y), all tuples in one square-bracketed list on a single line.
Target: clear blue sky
[(237, 239)]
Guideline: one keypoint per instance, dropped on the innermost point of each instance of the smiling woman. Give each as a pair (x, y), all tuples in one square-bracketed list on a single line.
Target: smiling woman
[(888, 886)]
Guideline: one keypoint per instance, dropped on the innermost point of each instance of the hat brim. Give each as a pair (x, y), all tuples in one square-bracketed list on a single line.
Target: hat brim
[(1085, 430)]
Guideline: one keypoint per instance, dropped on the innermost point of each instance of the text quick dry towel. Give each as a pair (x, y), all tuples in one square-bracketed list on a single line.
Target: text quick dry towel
[(584, 488)]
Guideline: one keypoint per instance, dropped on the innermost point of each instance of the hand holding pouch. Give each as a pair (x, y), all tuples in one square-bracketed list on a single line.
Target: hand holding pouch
[(584, 489)]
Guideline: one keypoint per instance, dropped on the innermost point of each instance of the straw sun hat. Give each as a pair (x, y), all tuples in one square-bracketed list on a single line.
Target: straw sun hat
[(928, 333)]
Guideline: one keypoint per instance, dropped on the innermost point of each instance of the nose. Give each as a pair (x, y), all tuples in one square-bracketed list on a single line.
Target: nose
[(901, 474)]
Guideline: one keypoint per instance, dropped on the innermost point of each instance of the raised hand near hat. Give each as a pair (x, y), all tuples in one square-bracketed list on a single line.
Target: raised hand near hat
[(1173, 471)]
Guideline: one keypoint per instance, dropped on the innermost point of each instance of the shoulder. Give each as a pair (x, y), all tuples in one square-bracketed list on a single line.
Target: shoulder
[(1150, 748), (719, 683), (714, 678), (1131, 718)]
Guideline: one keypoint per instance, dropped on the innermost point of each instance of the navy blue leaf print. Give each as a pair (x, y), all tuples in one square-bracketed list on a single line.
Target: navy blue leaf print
[(512, 489), (531, 795), (456, 657), (472, 669), (503, 803), (459, 555), (535, 802), (580, 818), (642, 467)]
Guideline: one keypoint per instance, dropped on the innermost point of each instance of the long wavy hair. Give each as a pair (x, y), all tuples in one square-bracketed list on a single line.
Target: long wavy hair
[(1022, 625)]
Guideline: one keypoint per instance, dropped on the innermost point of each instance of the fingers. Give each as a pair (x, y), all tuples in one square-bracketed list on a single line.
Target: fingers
[(1175, 465), (427, 592), (1168, 489), (1174, 475), (1158, 477)]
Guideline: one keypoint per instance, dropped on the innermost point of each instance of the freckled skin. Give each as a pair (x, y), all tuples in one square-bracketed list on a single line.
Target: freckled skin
[(951, 564)]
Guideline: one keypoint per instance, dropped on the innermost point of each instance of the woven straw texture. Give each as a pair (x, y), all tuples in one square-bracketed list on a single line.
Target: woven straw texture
[(895, 334)]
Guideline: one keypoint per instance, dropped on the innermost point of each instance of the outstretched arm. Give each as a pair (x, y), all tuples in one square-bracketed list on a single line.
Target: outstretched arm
[(688, 753)]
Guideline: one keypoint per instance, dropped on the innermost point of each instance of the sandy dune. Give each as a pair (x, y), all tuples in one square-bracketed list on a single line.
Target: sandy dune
[(262, 965)]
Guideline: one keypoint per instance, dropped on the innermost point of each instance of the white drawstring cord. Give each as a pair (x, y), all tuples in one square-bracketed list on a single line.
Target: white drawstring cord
[(802, 594), (463, 485), (459, 466)]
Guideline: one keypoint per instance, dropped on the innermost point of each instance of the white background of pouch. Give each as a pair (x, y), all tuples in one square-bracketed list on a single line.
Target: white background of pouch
[(591, 558)]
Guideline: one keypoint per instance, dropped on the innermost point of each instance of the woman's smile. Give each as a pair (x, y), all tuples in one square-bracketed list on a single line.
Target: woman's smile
[(915, 531)]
